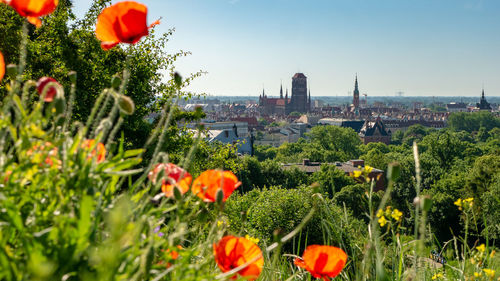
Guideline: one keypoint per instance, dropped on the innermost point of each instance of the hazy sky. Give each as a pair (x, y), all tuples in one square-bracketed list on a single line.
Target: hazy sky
[(419, 47)]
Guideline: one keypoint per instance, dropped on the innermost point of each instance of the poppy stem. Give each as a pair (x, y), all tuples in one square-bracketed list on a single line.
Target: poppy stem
[(22, 52)]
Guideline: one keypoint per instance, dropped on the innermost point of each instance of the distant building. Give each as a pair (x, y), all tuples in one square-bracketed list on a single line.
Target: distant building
[(356, 125), (375, 132), (355, 98), (244, 144), (347, 167), (456, 107), (483, 104), (299, 101), (273, 106)]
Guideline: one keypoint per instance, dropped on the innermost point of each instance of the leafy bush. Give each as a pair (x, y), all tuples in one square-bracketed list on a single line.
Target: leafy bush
[(262, 212)]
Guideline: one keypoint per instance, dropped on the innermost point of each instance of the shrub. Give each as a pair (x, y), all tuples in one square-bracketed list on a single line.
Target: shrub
[(262, 212)]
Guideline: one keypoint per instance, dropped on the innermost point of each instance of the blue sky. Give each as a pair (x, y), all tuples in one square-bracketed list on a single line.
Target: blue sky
[(420, 47)]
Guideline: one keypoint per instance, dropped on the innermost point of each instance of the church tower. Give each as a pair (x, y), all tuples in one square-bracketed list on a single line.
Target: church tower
[(299, 94), (355, 99)]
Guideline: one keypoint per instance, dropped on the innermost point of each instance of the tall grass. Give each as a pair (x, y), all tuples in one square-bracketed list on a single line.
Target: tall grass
[(66, 215)]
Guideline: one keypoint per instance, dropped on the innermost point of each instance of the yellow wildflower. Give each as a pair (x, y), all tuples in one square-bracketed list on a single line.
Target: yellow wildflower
[(489, 272), (380, 213), (357, 174), (253, 239), (481, 248), (396, 214), (368, 169), (388, 211), (492, 254), (478, 274), (459, 203), (437, 276), (219, 223), (469, 200), (382, 221)]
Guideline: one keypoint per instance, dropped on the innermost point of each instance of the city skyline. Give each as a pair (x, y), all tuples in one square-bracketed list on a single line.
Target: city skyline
[(424, 48)]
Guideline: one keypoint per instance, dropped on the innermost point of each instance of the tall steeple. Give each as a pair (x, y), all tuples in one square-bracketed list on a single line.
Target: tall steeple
[(355, 99), (286, 97), (263, 93), (281, 91)]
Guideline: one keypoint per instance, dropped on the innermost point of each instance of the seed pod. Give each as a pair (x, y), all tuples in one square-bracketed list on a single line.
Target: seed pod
[(11, 71), (126, 105), (72, 76), (116, 82)]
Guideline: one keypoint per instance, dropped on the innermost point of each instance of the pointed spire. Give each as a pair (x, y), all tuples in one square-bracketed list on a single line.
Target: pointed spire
[(356, 83), (281, 91), (263, 93)]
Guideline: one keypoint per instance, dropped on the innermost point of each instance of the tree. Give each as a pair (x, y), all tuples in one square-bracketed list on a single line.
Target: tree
[(331, 179), (65, 43), (344, 141), (472, 122)]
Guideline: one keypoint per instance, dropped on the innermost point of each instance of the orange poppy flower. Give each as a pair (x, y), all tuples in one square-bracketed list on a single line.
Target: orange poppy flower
[(232, 252), (100, 150), (32, 10), (209, 182), (173, 176), (2, 66), (322, 261), (171, 256), (51, 92), (123, 22)]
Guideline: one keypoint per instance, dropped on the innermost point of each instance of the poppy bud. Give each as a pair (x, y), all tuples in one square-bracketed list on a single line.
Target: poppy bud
[(177, 79), (426, 203), (59, 105), (116, 82), (416, 201), (177, 193), (11, 71), (219, 197), (72, 76), (126, 105), (393, 171)]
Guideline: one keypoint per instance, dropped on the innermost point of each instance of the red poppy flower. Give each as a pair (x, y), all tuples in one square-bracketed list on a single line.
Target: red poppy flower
[(2, 66), (210, 182), (32, 10), (232, 252), (100, 150), (322, 261), (173, 176), (51, 92), (123, 22)]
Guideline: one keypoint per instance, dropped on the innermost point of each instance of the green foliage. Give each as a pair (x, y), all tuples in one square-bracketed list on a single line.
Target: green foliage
[(255, 174), (331, 180), (343, 143), (472, 122), (65, 43), (261, 212)]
